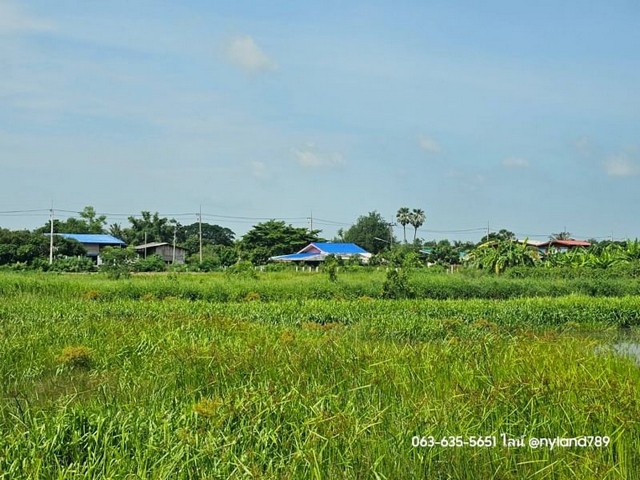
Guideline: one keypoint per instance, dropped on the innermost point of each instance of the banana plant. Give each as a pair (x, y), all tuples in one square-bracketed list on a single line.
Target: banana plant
[(611, 255), (499, 255), (631, 251)]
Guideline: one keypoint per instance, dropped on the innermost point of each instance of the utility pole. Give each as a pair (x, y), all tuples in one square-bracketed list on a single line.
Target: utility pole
[(175, 233), (200, 231), (51, 236), (145, 244), (488, 230), (391, 225), (311, 222)]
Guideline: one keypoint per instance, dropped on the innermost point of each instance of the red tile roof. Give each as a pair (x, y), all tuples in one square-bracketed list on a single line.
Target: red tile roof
[(566, 243)]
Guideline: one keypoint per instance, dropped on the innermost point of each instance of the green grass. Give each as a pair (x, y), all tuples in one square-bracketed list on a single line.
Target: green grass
[(279, 286), (96, 386)]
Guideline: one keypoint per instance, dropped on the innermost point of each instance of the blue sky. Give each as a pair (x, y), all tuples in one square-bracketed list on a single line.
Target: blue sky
[(520, 115)]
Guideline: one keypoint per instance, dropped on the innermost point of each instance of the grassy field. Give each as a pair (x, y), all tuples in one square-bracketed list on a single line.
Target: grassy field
[(278, 286), (212, 376)]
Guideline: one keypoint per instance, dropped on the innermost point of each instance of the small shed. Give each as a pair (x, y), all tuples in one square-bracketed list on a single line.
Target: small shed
[(164, 250)]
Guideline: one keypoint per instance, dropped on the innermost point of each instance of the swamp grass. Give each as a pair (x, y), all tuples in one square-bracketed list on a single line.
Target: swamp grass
[(174, 388)]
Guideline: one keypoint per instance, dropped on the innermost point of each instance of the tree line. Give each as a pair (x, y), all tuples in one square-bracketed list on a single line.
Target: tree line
[(210, 246)]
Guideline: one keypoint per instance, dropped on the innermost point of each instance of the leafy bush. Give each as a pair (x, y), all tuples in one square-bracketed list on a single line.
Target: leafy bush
[(242, 269), (73, 264), (330, 266), (279, 267), (405, 256), (153, 263), (396, 285), (118, 262)]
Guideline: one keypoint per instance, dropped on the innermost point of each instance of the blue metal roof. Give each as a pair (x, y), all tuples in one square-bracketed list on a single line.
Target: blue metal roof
[(339, 248), (100, 239), (318, 251)]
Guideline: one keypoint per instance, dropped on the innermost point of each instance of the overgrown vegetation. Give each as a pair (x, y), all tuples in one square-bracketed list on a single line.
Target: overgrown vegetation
[(354, 282), (112, 379)]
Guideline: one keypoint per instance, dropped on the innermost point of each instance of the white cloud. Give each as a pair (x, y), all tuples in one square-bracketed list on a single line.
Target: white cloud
[(14, 20), (515, 162), (428, 144), (472, 181), (258, 170), (243, 52), (584, 145), (310, 157), (621, 166)]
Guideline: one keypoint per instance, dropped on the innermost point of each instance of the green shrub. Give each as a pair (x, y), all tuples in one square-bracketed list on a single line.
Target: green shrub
[(73, 265), (118, 262), (153, 263), (242, 269), (396, 285), (330, 266)]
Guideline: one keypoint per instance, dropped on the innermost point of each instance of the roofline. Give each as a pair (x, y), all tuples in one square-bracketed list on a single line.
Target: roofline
[(567, 243), (152, 244), (69, 236)]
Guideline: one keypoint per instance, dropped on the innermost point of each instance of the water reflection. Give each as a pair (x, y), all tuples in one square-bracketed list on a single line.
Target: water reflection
[(627, 342), (631, 349)]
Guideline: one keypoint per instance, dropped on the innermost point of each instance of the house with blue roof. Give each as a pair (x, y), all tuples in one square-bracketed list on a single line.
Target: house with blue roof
[(94, 242), (318, 251)]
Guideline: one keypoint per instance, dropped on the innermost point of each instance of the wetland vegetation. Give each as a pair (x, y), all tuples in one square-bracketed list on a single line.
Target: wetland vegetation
[(291, 375)]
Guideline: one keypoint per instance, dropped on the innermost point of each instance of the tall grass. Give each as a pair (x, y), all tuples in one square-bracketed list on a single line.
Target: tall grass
[(173, 388), (278, 286)]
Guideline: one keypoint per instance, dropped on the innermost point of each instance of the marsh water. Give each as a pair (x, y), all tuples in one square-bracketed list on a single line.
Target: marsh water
[(625, 341)]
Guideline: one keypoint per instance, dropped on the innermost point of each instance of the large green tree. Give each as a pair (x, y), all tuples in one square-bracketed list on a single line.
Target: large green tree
[(371, 232), (22, 246), (445, 253), (95, 223), (89, 222), (149, 227), (272, 238), (189, 236), (502, 235)]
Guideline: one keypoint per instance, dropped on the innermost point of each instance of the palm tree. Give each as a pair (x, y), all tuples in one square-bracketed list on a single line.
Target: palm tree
[(416, 218), (404, 218), (561, 236)]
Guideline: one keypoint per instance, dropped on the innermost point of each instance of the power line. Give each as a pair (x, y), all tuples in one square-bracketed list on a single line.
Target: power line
[(332, 222), (43, 214), (302, 220), (45, 210), (254, 218), (466, 230)]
